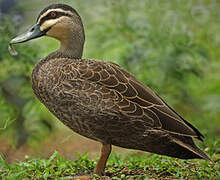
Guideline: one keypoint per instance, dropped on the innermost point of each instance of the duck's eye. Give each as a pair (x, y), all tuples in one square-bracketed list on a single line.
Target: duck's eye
[(53, 14)]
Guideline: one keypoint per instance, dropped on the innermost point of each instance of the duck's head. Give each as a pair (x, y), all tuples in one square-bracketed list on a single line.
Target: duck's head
[(61, 22)]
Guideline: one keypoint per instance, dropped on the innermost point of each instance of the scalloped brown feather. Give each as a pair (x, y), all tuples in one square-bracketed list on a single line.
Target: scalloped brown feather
[(102, 101)]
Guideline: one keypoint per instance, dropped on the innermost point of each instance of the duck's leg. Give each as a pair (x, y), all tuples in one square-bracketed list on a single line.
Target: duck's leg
[(99, 170), (105, 152)]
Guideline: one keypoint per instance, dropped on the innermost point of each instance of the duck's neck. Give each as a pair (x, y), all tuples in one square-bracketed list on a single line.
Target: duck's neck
[(72, 44)]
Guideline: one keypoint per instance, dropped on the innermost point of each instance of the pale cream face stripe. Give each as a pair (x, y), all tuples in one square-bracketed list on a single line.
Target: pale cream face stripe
[(49, 23), (56, 10)]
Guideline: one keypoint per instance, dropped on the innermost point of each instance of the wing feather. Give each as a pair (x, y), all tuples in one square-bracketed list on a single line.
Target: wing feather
[(138, 100)]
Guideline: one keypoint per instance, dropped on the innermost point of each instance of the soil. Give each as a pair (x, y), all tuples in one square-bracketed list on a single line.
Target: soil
[(66, 143)]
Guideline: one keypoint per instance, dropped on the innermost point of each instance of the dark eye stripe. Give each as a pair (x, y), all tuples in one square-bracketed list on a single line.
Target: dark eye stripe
[(48, 16)]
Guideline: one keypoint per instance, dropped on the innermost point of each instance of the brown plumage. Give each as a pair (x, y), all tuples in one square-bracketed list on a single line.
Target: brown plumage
[(102, 101)]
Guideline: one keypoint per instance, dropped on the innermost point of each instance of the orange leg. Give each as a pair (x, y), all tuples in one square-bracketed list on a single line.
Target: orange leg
[(106, 150)]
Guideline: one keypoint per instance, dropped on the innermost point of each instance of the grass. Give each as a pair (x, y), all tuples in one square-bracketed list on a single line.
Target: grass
[(132, 166)]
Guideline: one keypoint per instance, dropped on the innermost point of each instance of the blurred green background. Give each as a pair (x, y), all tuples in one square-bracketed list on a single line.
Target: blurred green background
[(172, 46)]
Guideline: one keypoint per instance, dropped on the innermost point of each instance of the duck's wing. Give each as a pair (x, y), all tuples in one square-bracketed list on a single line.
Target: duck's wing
[(136, 98)]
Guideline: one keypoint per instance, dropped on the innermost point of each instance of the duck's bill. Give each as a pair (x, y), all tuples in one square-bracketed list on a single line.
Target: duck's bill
[(32, 33)]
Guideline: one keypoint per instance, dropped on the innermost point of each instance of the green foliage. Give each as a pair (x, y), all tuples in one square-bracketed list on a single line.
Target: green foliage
[(164, 44), (15, 89), (132, 166), (19, 65)]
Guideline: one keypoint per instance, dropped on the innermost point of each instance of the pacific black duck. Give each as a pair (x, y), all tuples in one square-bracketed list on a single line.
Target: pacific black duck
[(100, 100)]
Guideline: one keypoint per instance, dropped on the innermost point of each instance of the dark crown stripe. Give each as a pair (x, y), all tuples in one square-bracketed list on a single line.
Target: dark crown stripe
[(64, 7)]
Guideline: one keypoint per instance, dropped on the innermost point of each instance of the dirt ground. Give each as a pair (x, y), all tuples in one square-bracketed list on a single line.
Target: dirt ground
[(66, 143)]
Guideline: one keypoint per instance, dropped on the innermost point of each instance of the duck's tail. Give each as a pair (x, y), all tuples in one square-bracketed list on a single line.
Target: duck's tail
[(188, 149)]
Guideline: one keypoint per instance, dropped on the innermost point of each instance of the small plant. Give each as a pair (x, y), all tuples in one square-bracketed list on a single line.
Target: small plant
[(132, 166)]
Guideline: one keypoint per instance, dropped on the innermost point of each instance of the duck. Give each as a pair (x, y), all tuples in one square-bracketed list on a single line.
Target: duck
[(99, 99)]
